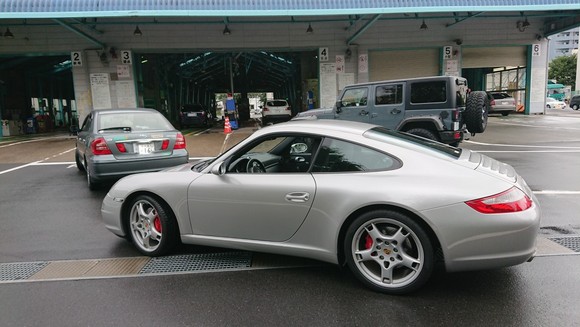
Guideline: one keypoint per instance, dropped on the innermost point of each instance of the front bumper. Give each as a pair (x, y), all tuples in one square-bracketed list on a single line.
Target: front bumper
[(111, 213)]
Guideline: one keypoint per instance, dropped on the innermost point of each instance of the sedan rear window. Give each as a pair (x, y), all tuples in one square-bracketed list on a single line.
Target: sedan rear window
[(139, 121)]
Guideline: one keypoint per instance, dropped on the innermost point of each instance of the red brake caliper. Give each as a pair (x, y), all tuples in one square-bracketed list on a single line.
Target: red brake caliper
[(157, 223), (368, 242)]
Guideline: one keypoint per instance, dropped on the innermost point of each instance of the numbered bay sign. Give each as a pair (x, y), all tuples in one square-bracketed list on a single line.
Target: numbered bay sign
[(536, 49), (323, 54), (76, 58), (447, 52), (126, 57)]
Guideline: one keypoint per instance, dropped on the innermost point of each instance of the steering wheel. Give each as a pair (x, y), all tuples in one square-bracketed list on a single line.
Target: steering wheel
[(255, 166)]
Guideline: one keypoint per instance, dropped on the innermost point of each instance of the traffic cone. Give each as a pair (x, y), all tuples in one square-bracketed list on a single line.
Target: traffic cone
[(227, 127)]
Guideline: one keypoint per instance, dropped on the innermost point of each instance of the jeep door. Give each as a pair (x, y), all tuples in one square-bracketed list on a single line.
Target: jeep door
[(389, 104), (353, 104)]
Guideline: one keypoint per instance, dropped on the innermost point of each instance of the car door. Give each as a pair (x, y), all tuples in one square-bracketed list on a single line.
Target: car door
[(389, 105), (266, 206), (353, 105), (83, 135)]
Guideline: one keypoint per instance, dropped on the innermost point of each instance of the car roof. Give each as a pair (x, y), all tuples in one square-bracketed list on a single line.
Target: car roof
[(124, 110)]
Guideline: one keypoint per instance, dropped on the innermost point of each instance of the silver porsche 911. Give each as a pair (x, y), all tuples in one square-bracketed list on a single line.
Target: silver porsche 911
[(387, 204)]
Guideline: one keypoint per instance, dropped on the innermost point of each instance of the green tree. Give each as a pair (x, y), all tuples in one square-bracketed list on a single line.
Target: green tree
[(563, 70)]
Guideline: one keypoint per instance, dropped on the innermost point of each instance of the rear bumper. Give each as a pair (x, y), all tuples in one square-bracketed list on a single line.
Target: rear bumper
[(276, 118), (107, 168), (450, 137)]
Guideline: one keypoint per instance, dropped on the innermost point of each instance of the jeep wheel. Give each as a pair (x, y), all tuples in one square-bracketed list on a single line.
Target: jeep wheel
[(423, 133), (476, 112)]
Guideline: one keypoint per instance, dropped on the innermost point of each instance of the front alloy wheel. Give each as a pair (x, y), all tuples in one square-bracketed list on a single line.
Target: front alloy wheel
[(389, 252), (152, 229)]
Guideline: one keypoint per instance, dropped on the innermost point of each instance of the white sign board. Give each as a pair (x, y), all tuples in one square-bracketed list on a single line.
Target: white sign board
[(126, 94), (339, 61), (363, 63), (123, 71), (327, 85), (100, 91)]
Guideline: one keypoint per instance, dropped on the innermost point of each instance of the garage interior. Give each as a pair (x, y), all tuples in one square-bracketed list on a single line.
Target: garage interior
[(43, 85)]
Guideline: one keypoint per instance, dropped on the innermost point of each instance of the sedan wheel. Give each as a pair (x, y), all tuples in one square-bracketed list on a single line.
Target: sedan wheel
[(153, 230), (389, 252), (90, 181)]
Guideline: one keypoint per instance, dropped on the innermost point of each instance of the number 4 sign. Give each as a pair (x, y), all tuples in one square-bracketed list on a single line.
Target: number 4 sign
[(323, 54)]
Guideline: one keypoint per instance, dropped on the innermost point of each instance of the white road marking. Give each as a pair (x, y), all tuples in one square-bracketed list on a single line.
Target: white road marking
[(557, 192), (27, 141), (36, 163), (524, 146), (19, 167)]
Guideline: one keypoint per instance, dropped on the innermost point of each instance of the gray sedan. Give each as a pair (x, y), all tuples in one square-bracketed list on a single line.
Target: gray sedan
[(389, 205), (113, 143)]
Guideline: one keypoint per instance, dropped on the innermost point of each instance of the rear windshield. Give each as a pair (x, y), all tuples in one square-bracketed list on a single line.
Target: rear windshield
[(136, 121), (428, 92), (192, 107), (381, 133), (500, 95), (277, 103)]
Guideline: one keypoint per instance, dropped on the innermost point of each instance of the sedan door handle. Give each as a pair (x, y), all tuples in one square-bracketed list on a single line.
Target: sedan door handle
[(297, 197)]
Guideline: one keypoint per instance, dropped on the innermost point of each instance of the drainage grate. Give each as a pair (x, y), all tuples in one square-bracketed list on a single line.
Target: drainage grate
[(572, 242), (198, 262), (20, 270)]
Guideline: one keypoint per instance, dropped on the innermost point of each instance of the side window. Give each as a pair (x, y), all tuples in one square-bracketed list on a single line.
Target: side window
[(389, 94), (355, 97), (341, 156), (279, 154), (428, 92), (87, 123)]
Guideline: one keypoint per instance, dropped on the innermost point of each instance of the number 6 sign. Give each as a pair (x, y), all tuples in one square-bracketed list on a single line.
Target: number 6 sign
[(536, 49)]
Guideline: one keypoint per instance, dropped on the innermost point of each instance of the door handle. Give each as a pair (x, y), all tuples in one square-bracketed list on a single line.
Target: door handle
[(396, 111), (374, 114), (297, 197), (363, 113)]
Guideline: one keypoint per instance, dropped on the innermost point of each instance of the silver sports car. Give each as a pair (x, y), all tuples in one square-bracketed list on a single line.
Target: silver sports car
[(387, 204)]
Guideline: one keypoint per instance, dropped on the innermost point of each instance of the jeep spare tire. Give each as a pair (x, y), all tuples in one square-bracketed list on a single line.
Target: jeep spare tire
[(476, 111)]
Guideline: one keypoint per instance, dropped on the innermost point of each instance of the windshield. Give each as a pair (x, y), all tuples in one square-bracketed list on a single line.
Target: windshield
[(132, 121), (381, 134)]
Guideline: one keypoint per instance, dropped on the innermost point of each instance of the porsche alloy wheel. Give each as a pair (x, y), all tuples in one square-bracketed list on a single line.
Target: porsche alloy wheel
[(389, 252), (151, 227)]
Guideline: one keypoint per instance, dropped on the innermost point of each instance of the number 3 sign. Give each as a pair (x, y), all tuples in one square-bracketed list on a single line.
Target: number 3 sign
[(126, 57)]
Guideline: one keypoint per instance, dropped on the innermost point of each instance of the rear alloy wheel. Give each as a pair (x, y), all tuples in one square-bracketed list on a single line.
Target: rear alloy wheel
[(90, 181), (389, 252), (79, 162), (152, 228), (423, 133), (476, 111)]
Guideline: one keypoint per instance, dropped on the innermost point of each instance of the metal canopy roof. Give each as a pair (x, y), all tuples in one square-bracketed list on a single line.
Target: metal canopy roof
[(233, 8)]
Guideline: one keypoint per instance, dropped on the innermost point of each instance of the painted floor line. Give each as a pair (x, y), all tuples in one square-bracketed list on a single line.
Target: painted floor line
[(27, 141), (527, 151), (555, 192)]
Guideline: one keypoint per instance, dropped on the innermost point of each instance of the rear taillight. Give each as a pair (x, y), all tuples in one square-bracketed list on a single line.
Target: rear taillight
[(165, 145), (265, 109), (512, 200), (99, 147), (121, 147), (288, 109), (179, 142), (456, 115), (492, 103)]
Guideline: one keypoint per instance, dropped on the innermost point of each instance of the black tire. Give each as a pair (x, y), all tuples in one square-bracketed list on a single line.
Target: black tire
[(575, 107), (505, 113), (374, 246), (91, 183), (476, 111), (78, 161), (423, 133), (152, 227)]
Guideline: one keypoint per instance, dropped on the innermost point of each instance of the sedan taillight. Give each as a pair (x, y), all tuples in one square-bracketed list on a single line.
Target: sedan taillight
[(179, 142), (99, 147), (512, 200), (165, 144), (121, 147)]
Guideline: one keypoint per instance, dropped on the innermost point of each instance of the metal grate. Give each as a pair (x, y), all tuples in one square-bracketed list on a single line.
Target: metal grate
[(572, 242), (198, 262), (20, 270)]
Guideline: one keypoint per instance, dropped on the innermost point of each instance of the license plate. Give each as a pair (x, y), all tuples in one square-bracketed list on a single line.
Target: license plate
[(146, 148), (191, 114), (505, 102)]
